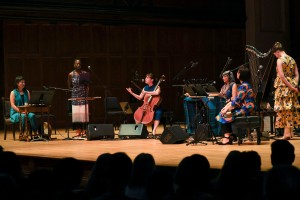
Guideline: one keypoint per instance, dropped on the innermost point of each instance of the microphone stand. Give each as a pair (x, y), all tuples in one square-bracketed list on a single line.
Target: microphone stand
[(183, 70), (67, 91), (100, 83), (225, 66), (259, 91)]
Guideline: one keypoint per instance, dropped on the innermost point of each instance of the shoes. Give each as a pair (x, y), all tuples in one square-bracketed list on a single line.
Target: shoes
[(83, 134), (233, 137), (226, 143), (283, 138), (24, 138)]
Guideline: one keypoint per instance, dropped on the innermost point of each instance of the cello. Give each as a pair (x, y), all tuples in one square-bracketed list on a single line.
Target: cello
[(145, 113)]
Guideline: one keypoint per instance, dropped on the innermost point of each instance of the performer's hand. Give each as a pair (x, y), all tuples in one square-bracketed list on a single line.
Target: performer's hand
[(223, 111), (129, 90), (295, 89)]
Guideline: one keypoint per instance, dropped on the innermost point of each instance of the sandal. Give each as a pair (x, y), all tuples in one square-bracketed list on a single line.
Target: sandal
[(226, 143)]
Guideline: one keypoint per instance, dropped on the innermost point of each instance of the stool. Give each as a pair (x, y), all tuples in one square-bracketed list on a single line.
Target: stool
[(240, 124)]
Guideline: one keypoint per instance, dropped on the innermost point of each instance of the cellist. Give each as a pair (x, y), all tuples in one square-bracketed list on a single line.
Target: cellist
[(149, 90)]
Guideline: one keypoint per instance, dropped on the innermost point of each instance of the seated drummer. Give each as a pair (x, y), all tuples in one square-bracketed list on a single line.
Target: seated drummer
[(242, 105)]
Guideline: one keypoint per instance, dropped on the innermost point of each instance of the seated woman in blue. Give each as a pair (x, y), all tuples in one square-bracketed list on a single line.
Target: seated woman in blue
[(229, 89), (242, 105), (20, 97), (149, 90)]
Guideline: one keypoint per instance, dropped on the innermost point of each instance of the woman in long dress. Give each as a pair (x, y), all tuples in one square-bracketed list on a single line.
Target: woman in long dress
[(80, 89), (286, 92)]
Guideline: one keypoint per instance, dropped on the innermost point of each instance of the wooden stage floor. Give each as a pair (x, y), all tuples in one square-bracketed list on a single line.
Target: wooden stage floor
[(164, 154)]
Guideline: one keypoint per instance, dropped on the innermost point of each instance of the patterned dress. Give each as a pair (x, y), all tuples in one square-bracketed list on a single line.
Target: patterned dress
[(286, 103), (80, 109), (243, 104)]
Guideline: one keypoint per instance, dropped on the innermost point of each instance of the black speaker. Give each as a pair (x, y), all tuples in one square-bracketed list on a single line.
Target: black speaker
[(133, 131), (173, 135), (100, 131)]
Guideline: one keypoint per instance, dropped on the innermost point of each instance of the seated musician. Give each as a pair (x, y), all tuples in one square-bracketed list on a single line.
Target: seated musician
[(149, 90), (229, 89), (242, 105), (19, 97)]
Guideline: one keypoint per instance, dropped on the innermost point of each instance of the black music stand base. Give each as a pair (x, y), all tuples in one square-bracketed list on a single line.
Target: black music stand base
[(196, 142)]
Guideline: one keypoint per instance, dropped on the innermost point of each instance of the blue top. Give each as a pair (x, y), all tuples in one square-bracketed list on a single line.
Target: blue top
[(149, 89), (20, 100), (228, 93), (158, 110)]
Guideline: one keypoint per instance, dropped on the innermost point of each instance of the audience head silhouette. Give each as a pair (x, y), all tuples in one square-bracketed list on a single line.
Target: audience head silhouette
[(282, 153)]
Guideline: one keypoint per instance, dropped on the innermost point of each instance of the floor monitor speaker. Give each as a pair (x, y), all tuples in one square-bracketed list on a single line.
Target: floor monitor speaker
[(100, 131), (133, 131), (173, 135)]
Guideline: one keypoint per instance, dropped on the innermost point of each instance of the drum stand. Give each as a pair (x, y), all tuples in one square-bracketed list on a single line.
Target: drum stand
[(196, 123), (206, 122)]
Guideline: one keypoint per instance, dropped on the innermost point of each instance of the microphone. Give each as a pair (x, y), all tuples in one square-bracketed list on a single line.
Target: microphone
[(140, 80), (45, 87), (229, 61), (260, 68), (193, 64), (213, 83)]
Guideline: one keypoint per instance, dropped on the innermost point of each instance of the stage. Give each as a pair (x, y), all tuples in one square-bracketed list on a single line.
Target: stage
[(168, 155)]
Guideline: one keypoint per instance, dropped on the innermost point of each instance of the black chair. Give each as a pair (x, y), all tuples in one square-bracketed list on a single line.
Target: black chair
[(243, 125), (113, 108), (6, 117)]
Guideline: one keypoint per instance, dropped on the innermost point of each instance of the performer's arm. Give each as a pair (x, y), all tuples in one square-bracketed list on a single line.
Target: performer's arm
[(69, 81), (12, 101), (296, 75), (234, 91), (139, 97)]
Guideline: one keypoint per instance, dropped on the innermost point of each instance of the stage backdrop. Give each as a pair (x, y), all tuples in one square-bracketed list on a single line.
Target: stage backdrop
[(42, 50)]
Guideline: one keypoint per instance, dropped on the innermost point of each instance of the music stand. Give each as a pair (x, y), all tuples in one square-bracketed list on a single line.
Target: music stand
[(67, 104), (36, 97), (200, 90)]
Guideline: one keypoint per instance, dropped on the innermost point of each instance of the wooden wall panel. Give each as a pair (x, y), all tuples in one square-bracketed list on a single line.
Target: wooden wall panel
[(118, 70), (12, 38), (30, 39), (115, 54), (47, 42), (175, 41), (132, 40), (85, 40), (67, 39), (99, 38), (15, 66), (33, 72), (148, 40), (116, 40)]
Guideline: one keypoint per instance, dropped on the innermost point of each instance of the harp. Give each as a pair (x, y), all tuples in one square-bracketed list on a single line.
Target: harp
[(260, 76)]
